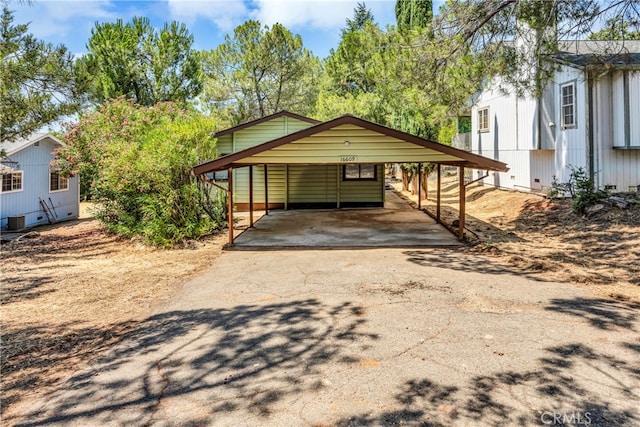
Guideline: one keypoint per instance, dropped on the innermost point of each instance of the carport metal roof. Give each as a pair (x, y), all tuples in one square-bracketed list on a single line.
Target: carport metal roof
[(346, 139), (349, 139)]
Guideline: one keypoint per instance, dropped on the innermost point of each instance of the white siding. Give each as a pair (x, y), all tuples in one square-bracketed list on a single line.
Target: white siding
[(617, 167), (571, 143), (510, 137), (513, 134), (634, 107), (34, 162)]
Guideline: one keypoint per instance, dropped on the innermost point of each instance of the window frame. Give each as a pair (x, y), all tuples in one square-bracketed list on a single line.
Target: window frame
[(483, 111), (60, 178), (572, 105), (360, 178), (13, 190)]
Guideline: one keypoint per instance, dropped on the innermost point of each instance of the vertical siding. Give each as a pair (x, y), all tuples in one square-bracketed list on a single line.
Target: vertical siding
[(614, 166), (34, 162), (363, 191), (276, 176), (617, 118), (542, 169), (253, 136), (620, 168), (571, 143), (510, 136), (634, 107), (515, 120), (313, 184)]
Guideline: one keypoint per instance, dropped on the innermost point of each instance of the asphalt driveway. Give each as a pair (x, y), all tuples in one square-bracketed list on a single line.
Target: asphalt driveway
[(365, 338)]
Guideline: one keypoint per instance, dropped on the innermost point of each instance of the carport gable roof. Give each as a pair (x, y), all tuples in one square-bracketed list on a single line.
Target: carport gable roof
[(264, 119), (349, 139)]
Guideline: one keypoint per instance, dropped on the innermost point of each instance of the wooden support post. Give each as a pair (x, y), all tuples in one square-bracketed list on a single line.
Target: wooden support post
[(266, 191), (230, 203), (462, 199), (419, 185), (438, 193), (251, 196)]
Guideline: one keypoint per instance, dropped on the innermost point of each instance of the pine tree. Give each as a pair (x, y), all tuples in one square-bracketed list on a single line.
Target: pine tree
[(37, 81)]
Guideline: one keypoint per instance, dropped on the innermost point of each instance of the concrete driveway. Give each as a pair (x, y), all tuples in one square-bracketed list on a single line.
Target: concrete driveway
[(395, 225), (365, 338)]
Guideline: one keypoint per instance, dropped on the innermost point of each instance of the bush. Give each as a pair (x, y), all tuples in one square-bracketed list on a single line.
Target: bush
[(581, 189), (138, 161)]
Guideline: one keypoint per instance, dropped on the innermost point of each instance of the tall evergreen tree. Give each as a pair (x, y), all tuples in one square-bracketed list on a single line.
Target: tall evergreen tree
[(361, 15), (258, 71), (412, 14), (37, 81), (134, 60)]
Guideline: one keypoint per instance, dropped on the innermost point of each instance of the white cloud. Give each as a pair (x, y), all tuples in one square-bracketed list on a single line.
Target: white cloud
[(293, 14), (53, 18), (224, 14), (320, 14)]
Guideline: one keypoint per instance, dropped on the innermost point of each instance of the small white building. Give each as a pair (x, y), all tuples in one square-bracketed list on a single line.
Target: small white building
[(32, 192), (588, 116)]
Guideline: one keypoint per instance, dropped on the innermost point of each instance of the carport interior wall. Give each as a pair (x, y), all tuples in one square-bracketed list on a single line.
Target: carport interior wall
[(307, 186)]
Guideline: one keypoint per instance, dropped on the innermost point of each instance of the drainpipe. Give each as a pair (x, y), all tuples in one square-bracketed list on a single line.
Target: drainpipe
[(590, 137)]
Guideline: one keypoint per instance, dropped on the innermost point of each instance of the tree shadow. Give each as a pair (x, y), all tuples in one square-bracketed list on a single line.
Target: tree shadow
[(16, 288), (249, 357), (601, 313), (47, 247), (454, 260), (561, 387)]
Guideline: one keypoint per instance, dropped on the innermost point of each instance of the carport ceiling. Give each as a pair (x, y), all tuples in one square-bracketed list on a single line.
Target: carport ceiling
[(349, 139)]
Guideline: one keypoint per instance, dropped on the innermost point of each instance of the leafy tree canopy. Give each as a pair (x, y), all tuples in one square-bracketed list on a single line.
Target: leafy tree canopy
[(517, 37), (137, 62), (37, 81), (138, 161), (413, 13), (258, 71), (616, 29)]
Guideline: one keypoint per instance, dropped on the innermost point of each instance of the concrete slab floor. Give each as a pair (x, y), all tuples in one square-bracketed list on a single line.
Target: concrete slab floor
[(395, 225)]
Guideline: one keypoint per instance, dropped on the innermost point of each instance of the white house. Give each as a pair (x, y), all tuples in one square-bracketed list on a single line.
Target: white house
[(32, 192), (588, 116)]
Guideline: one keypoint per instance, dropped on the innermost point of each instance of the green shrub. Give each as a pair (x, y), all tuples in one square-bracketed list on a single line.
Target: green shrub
[(138, 161), (581, 189)]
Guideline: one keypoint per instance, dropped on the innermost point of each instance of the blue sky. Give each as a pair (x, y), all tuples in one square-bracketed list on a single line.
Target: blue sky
[(318, 21)]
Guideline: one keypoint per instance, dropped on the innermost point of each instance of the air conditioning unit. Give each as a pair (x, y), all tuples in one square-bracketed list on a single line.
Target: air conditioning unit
[(15, 223)]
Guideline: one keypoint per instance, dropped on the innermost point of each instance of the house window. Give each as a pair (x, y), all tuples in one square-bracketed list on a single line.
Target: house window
[(12, 182), (57, 182), (357, 172), (568, 105), (483, 119), (221, 176)]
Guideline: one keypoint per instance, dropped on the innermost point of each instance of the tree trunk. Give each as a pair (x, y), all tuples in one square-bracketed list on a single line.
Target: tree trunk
[(423, 185), (405, 180)]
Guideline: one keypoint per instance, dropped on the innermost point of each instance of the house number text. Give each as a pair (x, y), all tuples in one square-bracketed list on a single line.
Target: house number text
[(348, 159)]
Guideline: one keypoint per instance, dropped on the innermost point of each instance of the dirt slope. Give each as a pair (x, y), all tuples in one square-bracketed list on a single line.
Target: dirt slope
[(544, 237)]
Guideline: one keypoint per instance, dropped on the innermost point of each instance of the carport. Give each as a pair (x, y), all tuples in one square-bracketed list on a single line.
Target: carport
[(346, 140)]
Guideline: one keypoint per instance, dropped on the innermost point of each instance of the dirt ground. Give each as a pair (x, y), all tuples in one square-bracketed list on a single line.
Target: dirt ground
[(544, 237), (73, 291)]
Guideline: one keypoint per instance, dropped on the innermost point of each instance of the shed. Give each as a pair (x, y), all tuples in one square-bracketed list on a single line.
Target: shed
[(32, 192), (337, 163)]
